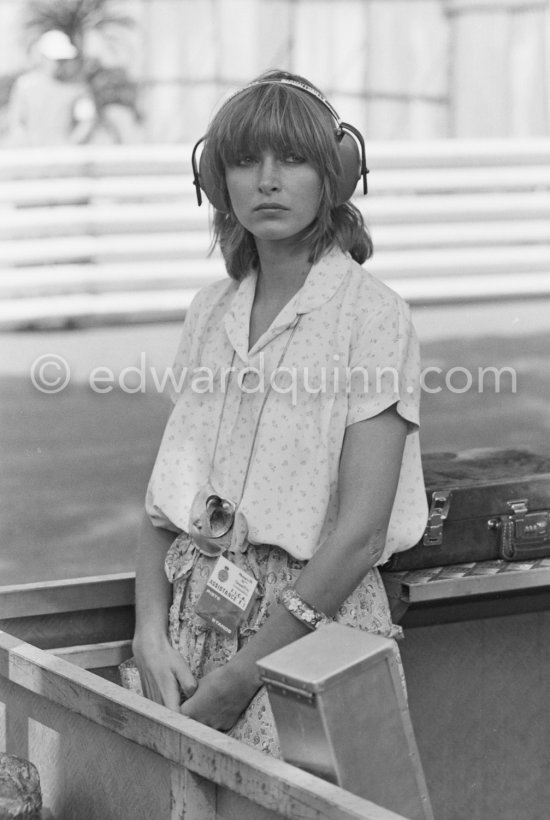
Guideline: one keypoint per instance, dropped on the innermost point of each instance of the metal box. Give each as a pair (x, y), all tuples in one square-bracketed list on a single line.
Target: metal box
[(341, 713)]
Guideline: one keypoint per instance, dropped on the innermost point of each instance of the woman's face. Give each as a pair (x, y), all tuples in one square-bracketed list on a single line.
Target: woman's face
[(275, 198)]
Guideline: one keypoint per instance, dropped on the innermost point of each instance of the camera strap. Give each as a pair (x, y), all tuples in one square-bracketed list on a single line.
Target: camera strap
[(265, 397)]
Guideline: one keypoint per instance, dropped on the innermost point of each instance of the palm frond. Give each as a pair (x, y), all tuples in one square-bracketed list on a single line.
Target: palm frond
[(73, 17)]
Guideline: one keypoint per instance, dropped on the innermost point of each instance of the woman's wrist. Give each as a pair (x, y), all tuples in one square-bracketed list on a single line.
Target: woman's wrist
[(245, 675), (150, 636)]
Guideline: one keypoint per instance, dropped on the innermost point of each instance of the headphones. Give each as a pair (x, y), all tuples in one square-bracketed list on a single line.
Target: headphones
[(351, 148)]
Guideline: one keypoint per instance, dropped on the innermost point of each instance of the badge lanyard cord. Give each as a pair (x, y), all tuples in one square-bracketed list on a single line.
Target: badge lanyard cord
[(260, 412)]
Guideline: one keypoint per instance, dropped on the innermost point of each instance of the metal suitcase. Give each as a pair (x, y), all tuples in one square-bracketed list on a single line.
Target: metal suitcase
[(341, 713), (484, 505)]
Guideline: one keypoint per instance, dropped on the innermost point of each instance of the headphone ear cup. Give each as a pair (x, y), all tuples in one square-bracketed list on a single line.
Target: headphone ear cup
[(350, 159), (215, 194)]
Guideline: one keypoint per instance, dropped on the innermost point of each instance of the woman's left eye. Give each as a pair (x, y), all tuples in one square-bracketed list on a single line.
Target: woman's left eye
[(294, 159)]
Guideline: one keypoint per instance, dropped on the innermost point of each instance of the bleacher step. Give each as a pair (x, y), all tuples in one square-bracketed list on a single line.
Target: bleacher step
[(88, 309), (183, 271)]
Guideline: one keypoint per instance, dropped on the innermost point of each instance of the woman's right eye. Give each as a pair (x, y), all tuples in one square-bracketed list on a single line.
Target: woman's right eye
[(245, 160)]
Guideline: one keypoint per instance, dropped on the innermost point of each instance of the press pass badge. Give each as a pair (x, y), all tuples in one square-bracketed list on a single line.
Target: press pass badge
[(227, 597)]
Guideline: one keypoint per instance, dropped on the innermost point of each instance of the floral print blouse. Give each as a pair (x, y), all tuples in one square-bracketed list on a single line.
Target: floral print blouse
[(265, 425)]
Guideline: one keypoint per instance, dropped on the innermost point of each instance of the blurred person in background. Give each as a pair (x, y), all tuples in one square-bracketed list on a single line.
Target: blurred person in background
[(51, 103)]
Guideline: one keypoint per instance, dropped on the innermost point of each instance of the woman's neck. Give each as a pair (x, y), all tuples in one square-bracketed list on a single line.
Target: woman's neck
[(282, 272), (280, 277)]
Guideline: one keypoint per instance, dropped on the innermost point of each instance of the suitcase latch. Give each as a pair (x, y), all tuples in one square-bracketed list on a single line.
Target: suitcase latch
[(439, 510), (518, 510), (522, 534), (528, 526)]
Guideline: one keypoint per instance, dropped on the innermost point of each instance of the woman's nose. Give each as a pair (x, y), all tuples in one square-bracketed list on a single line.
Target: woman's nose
[(269, 179)]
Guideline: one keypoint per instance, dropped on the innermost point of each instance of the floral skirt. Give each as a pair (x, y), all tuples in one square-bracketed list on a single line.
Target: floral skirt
[(205, 649)]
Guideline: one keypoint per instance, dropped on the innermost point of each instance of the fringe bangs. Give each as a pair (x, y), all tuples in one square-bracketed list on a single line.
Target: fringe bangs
[(278, 118)]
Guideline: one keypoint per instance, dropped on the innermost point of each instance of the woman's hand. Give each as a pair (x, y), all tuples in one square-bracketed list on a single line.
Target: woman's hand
[(163, 671), (222, 696)]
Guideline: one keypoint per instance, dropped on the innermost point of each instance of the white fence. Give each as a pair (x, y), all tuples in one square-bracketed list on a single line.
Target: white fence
[(109, 234)]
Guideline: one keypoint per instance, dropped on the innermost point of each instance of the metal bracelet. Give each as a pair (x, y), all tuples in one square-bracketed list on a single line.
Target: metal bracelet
[(308, 615)]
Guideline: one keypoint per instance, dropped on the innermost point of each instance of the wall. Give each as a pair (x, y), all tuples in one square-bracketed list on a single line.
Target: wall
[(387, 77), (395, 68), (500, 58)]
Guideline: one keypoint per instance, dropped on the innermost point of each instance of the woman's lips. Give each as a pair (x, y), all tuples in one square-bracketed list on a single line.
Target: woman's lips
[(270, 206)]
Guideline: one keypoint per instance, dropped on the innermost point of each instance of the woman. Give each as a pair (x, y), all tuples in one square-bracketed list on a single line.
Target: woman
[(293, 445)]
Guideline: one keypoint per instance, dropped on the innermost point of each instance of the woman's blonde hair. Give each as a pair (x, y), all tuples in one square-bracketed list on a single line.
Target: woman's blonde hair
[(284, 119)]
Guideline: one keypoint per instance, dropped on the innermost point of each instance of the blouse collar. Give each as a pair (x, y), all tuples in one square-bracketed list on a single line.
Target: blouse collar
[(322, 282)]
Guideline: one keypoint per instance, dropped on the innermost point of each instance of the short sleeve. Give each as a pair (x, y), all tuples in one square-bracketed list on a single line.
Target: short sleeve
[(180, 454), (384, 366), (186, 351), (182, 365)]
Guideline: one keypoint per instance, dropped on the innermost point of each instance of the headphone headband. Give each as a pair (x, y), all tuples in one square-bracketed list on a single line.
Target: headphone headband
[(295, 84), (346, 135)]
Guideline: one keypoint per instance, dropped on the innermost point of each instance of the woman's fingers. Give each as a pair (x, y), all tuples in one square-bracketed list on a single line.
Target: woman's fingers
[(162, 687), (165, 675), (186, 681), (170, 691), (149, 685)]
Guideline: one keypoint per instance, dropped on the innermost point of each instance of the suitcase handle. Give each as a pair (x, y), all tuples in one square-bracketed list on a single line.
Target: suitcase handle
[(522, 535)]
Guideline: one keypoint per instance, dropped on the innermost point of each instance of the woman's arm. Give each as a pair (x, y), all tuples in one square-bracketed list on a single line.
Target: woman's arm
[(162, 669), (368, 476)]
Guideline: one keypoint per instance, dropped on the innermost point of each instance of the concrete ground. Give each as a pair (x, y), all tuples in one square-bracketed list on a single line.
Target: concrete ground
[(76, 462)]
